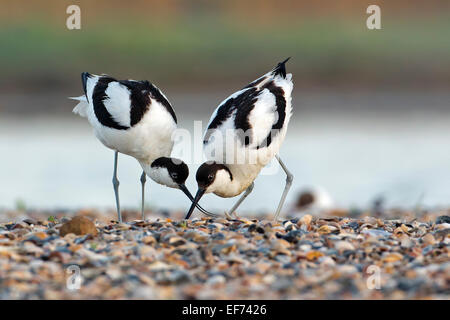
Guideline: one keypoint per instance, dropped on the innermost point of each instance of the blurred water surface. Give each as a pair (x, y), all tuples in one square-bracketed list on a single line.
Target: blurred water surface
[(356, 146)]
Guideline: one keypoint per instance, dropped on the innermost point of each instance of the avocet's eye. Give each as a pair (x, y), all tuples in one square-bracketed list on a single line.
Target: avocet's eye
[(174, 175), (211, 177)]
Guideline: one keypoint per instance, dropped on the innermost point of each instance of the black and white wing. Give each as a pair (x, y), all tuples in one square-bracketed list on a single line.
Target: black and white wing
[(119, 104), (258, 112)]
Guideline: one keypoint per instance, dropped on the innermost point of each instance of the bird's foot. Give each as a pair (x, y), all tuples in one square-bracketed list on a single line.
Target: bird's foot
[(229, 217), (280, 220), (232, 216)]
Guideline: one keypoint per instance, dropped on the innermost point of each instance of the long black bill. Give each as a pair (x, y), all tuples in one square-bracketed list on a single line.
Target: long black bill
[(200, 193), (189, 195)]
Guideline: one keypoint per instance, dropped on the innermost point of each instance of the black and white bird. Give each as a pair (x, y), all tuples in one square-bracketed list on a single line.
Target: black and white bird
[(244, 134), (134, 118)]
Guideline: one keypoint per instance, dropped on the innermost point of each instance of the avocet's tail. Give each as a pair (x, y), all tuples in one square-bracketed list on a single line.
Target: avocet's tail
[(81, 107), (280, 69)]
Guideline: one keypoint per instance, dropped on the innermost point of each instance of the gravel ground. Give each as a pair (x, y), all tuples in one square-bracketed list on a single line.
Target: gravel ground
[(334, 257)]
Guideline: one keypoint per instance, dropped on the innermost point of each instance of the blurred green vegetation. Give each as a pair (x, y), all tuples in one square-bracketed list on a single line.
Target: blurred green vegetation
[(20, 205), (213, 49)]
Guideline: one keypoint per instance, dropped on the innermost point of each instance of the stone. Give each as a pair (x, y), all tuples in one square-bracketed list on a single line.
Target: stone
[(79, 226), (30, 221), (313, 255), (428, 239), (306, 220), (393, 257), (342, 246), (149, 240), (254, 258), (216, 280), (376, 233)]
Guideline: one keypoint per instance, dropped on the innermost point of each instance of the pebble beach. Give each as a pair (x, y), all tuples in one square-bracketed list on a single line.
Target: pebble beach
[(343, 255)]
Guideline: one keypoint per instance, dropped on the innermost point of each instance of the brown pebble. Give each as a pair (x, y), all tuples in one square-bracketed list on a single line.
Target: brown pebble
[(341, 246), (325, 229), (79, 226), (428, 239), (306, 219), (313, 255), (149, 240), (393, 257), (40, 235)]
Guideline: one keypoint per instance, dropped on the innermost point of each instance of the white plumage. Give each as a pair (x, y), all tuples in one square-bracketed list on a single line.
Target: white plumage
[(244, 134), (246, 161), (147, 140), (81, 108), (134, 118)]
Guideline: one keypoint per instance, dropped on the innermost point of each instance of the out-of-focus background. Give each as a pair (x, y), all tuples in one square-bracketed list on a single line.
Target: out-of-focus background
[(371, 107)]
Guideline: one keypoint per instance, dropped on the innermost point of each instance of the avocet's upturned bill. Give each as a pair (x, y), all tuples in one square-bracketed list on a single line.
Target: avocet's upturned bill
[(134, 118), (244, 134)]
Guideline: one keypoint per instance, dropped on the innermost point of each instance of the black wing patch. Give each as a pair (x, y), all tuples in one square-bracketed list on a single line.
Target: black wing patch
[(141, 93), (139, 97), (98, 98), (242, 121), (243, 104), (244, 100), (256, 82), (156, 94), (280, 102)]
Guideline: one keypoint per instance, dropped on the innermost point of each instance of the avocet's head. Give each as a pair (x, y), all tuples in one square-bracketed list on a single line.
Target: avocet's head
[(211, 176), (172, 173)]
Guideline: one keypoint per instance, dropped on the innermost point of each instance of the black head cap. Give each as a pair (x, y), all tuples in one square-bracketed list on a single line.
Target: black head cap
[(206, 173), (178, 170)]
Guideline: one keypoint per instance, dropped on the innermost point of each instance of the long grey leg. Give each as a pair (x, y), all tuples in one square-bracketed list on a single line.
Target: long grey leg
[(116, 183), (289, 179), (242, 198), (143, 180)]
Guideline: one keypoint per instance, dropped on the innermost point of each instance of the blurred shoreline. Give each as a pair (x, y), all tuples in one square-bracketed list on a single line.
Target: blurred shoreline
[(357, 145), (194, 103)]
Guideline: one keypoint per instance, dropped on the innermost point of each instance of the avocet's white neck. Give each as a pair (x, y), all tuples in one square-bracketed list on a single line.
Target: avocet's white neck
[(243, 176)]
